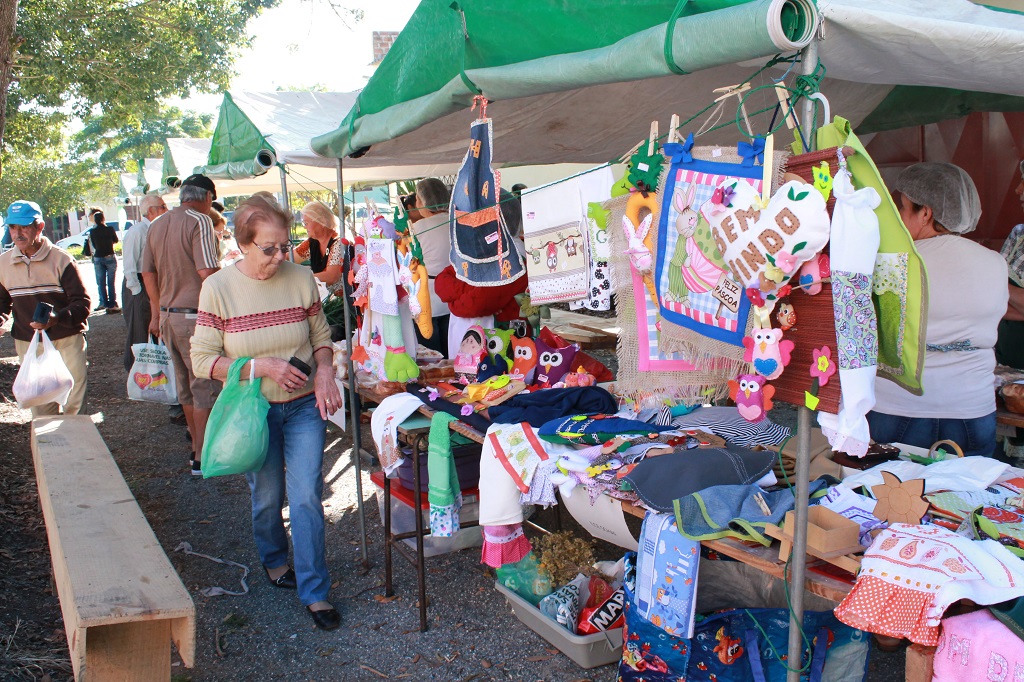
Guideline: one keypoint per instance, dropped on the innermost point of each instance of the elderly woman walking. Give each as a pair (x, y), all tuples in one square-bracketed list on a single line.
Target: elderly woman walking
[(266, 308)]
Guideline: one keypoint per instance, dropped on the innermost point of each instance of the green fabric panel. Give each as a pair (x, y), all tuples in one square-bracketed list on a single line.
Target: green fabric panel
[(444, 481), (234, 170), (235, 139), (169, 169), (735, 31), (894, 239), (909, 106)]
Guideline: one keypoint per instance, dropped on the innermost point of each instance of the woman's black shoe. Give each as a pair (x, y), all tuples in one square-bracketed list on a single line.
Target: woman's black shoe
[(328, 619), (286, 581)]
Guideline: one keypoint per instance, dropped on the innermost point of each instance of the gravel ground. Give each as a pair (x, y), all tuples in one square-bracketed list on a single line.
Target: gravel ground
[(264, 635)]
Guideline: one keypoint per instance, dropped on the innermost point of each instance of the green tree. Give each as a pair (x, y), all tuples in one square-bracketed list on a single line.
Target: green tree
[(117, 58), (117, 145), (57, 184)]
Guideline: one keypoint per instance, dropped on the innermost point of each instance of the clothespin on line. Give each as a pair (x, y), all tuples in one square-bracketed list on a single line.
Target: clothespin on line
[(632, 150), (673, 129), (736, 91), (652, 139), (787, 108), (371, 207), (768, 169)]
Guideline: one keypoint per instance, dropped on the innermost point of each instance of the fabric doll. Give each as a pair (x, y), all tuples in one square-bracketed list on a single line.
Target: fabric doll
[(524, 359), (471, 351)]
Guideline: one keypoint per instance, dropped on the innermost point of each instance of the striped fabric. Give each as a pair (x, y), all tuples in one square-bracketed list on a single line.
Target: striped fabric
[(279, 317), (727, 423)]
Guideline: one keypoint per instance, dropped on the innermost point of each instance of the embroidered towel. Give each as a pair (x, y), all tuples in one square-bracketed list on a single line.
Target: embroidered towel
[(384, 423), (443, 492), (554, 231)]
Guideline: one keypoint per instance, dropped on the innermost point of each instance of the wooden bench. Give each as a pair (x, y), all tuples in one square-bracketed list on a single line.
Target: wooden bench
[(123, 602)]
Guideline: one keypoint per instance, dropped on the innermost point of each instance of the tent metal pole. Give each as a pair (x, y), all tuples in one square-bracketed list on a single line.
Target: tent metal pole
[(798, 557), (353, 396), (284, 199)]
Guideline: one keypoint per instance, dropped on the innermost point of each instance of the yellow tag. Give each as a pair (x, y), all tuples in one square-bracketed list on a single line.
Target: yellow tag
[(811, 401)]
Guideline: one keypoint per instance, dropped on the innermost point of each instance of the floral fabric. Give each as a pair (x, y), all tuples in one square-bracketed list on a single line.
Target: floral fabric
[(856, 327)]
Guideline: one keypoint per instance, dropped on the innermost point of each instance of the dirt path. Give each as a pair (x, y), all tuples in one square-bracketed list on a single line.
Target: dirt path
[(264, 635)]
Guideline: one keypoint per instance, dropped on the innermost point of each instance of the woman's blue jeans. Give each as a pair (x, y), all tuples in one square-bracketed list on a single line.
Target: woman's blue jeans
[(106, 269), (294, 465), (975, 436)]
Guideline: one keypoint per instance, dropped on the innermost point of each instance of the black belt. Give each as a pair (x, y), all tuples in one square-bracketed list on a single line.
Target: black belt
[(185, 311)]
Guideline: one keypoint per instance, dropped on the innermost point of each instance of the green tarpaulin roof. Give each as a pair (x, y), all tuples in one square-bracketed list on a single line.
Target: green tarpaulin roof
[(577, 81)]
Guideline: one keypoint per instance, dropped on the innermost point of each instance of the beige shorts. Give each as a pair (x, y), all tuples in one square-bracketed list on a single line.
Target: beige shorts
[(176, 330)]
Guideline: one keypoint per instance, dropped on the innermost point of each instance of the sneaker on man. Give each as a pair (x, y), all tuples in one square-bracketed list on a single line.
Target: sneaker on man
[(197, 469)]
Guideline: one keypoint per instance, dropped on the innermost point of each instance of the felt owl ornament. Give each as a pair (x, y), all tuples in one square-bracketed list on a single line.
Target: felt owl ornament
[(491, 366), (768, 351), (524, 360), (553, 363), (786, 314), (753, 396), (499, 342)]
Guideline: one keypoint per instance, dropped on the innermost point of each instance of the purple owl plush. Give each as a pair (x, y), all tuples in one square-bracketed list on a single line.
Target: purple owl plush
[(753, 396), (553, 363)]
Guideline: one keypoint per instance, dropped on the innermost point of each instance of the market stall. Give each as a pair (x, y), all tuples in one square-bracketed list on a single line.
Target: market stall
[(758, 261)]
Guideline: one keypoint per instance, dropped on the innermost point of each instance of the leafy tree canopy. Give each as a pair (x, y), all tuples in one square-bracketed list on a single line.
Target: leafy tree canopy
[(119, 146), (57, 183)]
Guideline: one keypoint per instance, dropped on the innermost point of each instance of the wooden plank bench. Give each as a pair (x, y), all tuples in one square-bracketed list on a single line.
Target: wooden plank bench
[(122, 601)]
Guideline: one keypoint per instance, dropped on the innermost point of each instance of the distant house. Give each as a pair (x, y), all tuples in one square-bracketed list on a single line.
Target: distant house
[(382, 42)]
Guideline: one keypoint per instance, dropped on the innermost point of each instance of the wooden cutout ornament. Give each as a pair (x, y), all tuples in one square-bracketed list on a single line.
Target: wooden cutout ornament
[(767, 351), (899, 501)]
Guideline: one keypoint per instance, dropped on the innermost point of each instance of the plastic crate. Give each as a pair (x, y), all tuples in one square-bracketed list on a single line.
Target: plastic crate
[(587, 651), (403, 519)]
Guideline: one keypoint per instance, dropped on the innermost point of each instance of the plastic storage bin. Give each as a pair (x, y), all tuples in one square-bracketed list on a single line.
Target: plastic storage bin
[(404, 521), (587, 651)]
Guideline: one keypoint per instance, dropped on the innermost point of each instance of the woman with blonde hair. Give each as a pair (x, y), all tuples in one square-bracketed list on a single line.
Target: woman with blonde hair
[(324, 248), (266, 308)]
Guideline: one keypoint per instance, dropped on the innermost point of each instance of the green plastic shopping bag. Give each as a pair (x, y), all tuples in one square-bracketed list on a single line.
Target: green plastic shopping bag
[(237, 435)]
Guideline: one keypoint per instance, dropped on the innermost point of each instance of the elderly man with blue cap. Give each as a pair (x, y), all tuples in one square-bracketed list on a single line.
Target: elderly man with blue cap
[(33, 272)]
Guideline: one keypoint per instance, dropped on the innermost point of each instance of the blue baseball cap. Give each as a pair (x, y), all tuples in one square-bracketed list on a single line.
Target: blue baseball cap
[(23, 212)]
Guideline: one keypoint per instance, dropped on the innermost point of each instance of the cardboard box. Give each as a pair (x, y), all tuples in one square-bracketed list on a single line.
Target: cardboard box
[(827, 531)]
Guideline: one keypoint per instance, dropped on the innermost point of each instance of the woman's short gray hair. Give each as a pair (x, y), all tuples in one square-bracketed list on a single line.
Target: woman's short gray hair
[(433, 194), (318, 212), (254, 211)]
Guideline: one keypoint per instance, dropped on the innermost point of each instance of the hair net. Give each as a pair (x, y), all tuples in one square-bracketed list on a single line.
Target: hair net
[(946, 189)]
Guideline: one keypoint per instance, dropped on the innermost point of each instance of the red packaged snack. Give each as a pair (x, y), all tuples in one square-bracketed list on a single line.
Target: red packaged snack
[(606, 615)]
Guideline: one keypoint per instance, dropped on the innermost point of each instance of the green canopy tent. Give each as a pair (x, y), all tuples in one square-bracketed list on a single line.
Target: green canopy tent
[(580, 82), (575, 82)]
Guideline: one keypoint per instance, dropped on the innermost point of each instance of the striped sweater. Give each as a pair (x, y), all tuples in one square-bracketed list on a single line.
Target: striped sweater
[(49, 276), (278, 317)]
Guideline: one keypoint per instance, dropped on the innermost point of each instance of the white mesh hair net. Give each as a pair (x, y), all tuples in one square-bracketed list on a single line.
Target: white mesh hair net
[(946, 189)]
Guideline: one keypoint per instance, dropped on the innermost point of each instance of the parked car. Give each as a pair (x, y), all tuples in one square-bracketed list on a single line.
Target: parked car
[(78, 240)]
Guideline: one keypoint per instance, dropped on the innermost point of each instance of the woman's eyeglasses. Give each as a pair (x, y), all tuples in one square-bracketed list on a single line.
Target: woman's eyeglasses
[(271, 250)]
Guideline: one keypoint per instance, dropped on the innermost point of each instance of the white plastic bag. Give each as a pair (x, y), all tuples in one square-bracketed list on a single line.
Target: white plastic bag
[(43, 377), (152, 375)]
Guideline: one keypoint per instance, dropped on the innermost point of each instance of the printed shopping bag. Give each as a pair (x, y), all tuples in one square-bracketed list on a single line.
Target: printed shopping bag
[(237, 435), (43, 377), (649, 654), (750, 644), (152, 375)]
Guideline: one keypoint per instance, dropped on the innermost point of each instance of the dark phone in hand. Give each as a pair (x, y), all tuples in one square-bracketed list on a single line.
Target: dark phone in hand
[(300, 365), (42, 313)]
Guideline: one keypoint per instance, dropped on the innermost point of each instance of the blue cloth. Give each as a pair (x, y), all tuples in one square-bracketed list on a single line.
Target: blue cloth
[(542, 406), (649, 653), (294, 465), (975, 436), (580, 429), (106, 269), (666, 582), (733, 511)]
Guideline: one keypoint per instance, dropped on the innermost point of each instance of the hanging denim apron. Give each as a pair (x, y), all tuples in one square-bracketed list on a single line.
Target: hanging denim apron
[(482, 250)]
